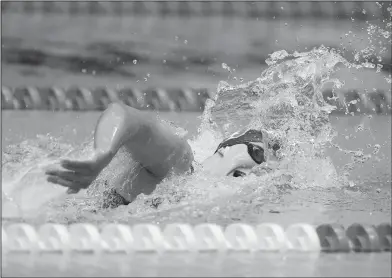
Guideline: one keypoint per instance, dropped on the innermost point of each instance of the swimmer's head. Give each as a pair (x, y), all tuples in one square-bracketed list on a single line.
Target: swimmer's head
[(239, 153)]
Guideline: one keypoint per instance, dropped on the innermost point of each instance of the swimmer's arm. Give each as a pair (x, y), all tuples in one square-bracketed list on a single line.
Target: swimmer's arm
[(151, 142)]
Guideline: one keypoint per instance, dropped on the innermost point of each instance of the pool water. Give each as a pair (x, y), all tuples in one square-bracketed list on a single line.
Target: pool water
[(331, 169), (184, 265), (368, 202)]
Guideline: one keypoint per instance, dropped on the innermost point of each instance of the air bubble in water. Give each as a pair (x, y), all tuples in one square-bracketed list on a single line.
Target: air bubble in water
[(186, 41), (386, 34), (134, 62), (148, 75), (84, 70), (368, 65), (145, 79), (164, 61), (226, 67), (364, 11), (376, 148), (360, 127)]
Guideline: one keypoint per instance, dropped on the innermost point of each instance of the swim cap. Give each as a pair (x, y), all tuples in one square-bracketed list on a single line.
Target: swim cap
[(250, 135)]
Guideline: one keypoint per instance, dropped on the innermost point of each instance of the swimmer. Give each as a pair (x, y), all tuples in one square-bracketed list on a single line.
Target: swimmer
[(158, 151)]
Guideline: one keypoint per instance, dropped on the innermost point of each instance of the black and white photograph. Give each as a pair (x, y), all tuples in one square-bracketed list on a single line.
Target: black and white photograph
[(196, 138)]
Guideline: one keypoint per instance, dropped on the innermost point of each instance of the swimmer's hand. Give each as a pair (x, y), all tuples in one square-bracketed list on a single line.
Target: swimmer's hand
[(79, 174)]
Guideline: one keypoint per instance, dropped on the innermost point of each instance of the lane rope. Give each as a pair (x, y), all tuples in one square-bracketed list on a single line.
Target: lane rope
[(340, 10), (180, 99), (179, 237)]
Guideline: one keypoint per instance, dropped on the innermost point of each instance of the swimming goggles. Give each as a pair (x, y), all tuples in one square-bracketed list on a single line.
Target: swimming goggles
[(255, 152)]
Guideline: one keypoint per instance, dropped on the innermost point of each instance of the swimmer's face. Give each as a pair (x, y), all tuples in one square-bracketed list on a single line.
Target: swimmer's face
[(236, 160)]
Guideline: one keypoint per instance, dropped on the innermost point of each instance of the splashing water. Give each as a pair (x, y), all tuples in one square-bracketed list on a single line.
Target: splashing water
[(285, 102)]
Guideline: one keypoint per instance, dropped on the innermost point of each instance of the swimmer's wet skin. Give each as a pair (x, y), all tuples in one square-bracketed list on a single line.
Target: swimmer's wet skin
[(158, 151)]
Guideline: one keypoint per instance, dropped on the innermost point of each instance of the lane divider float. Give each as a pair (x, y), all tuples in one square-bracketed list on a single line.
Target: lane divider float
[(207, 237), (339, 10), (173, 99)]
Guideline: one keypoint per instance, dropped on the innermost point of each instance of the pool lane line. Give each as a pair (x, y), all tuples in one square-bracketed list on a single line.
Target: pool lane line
[(340, 10), (82, 99), (76, 98), (22, 238)]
